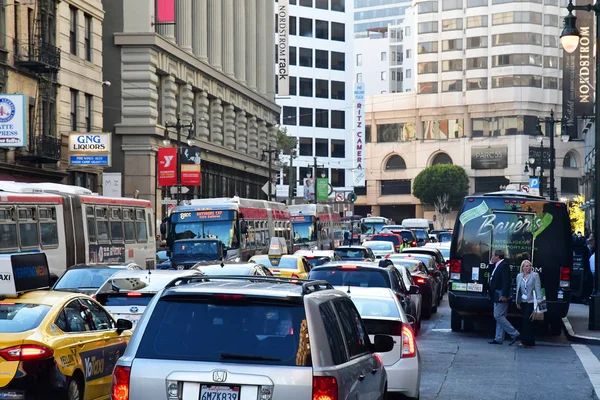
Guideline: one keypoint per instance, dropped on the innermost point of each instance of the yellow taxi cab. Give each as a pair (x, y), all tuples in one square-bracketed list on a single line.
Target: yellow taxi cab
[(53, 345), (282, 264)]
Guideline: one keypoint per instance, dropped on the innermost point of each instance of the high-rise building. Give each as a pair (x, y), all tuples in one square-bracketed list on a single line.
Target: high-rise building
[(318, 111), (377, 14)]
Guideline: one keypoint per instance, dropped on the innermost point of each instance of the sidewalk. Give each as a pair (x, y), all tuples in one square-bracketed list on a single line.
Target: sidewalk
[(576, 325)]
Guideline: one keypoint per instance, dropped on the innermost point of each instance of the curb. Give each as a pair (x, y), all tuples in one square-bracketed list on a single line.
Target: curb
[(570, 333)]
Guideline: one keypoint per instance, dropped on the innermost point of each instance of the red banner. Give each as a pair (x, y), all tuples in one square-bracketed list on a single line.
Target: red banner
[(167, 166), (165, 10), (190, 166)]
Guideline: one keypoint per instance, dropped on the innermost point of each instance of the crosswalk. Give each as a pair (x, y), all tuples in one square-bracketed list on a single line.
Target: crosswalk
[(590, 364)]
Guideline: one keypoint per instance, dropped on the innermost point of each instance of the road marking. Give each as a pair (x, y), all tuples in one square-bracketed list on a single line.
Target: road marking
[(442, 330), (590, 364)]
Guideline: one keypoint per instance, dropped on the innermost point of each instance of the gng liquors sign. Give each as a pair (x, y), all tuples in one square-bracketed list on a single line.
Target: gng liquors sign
[(283, 48), (89, 149), (12, 120)]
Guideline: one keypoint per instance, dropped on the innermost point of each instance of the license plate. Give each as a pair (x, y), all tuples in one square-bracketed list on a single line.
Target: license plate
[(475, 287), (459, 286), (211, 392)]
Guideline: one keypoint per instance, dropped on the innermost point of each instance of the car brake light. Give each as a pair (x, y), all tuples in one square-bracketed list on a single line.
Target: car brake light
[(414, 243), (120, 383), (408, 342), (26, 352), (439, 266), (349, 267), (324, 388), (387, 256), (455, 266), (295, 276), (229, 296), (565, 277), (134, 294), (420, 280)]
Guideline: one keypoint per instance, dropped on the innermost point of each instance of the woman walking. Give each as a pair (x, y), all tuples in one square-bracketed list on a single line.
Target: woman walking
[(527, 282)]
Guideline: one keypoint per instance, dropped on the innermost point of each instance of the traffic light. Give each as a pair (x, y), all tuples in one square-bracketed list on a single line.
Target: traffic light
[(351, 197)]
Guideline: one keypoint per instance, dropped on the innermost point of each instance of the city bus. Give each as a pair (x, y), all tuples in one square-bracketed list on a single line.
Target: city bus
[(316, 226), (371, 225), (245, 226), (524, 227), (74, 226)]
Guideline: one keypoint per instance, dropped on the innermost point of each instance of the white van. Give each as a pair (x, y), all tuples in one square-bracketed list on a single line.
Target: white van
[(417, 223)]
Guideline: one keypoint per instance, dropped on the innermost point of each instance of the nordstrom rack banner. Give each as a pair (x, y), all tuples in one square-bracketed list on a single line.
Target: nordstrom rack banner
[(13, 127), (283, 48), (90, 149)]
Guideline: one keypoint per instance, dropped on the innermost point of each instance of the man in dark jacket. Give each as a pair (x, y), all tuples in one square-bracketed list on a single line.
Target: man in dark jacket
[(500, 295)]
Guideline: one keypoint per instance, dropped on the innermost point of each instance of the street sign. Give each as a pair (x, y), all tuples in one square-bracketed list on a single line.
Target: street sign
[(168, 202), (339, 196), (525, 188), (265, 189), (534, 186), (184, 189)]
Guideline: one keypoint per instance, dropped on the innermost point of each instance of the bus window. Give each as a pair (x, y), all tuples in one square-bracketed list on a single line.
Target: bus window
[(116, 225), (150, 230), (91, 225), (28, 228), (129, 225), (140, 224), (102, 224), (8, 236), (48, 227)]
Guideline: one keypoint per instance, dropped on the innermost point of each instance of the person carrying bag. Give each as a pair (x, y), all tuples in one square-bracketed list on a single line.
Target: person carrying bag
[(529, 286)]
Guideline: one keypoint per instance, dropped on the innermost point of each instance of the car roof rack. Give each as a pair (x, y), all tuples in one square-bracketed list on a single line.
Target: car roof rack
[(308, 286)]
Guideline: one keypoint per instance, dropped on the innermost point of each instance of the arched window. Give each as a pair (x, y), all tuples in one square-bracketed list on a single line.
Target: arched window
[(394, 163), (570, 161), (441, 158)]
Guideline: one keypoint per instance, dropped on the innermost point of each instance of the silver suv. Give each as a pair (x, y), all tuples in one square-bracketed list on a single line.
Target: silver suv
[(259, 338)]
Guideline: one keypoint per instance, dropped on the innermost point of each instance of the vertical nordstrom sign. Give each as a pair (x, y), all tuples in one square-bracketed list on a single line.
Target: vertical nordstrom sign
[(283, 48)]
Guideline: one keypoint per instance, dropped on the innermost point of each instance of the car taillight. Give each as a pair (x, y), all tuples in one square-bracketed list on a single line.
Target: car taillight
[(439, 266), (387, 256), (295, 276), (409, 348), (26, 352), (414, 243), (229, 296), (349, 267), (134, 294), (420, 280), (565, 277), (324, 388), (120, 383), (455, 266)]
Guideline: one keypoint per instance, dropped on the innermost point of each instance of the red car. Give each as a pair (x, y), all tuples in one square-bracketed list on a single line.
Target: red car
[(427, 284), (389, 237)]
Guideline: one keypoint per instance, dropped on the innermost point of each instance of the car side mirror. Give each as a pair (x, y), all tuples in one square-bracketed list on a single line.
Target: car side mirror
[(383, 344), (123, 325), (414, 289)]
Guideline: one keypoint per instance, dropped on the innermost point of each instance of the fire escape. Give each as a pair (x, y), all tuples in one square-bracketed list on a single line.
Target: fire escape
[(41, 57)]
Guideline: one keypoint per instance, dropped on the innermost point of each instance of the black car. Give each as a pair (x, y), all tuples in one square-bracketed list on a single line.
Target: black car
[(422, 236), (440, 261), (427, 284), (88, 278), (368, 274), (355, 253)]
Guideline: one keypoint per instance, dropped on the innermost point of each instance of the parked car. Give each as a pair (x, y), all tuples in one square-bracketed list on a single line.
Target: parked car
[(87, 278), (432, 270), (295, 338), (440, 261), (428, 285), (249, 268), (382, 313), (417, 298), (355, 253), (380, 249)]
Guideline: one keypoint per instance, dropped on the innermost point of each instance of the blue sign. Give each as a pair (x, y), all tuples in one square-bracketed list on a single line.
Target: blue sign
[(301, 219), (89, 160), (534, 183), (194, 216)]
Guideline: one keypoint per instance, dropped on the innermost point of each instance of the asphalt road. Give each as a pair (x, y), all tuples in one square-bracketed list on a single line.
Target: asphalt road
[(463, 366)]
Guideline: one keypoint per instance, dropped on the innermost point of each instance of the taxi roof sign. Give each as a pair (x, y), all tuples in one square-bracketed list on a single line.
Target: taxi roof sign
[(21, 273), (277, 247)]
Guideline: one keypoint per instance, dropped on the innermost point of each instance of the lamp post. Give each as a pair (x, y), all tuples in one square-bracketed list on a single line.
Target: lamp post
[(167, 140), (269, 151), (569, 39)]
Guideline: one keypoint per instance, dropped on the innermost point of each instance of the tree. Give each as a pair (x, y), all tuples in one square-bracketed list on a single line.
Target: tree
[(576, 214), (285, 143), (442, 186)]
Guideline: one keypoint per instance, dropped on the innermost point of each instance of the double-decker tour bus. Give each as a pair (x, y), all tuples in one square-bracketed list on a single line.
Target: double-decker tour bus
[(244, 226), (372, 225), (73, 226), (316, 226), (524, 227)]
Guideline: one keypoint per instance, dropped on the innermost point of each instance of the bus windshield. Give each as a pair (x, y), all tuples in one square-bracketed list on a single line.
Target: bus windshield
[(304, 232), (222, 230), (371, 228)]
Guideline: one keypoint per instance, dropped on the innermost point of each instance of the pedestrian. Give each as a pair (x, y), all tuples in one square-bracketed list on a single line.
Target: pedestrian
[(528, 282), (499, 290), (346, 238)]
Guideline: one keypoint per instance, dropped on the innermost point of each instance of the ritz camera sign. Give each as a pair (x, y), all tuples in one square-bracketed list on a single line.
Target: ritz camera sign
[(89, 149)]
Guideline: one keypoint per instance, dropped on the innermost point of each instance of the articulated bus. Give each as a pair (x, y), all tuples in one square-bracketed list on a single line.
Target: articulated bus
[(73, 226), (372, 225), (316, 225), (244, 226)]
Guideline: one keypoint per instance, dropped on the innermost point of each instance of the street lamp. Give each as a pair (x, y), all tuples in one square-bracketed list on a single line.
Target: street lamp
[(190, 140), (267, 156), (569, 39)]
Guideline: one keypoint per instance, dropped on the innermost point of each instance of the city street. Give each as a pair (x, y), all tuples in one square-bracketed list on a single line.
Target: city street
[(464, 366)]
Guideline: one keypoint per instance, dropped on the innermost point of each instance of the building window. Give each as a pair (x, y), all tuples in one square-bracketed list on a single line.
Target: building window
[(338, 32), (452, 45), (292, 55), (321, 118), (88, 112), (448, 5), (359, 60), (452, 85), (322, 4), (306, 116), (321, 88), (550, 82), (452, 65), (428, 7), (338, 61), (384, 75), (505, 60), (550, 62), (441, 158), (477, 21), (306, 57), (338, 148), (383, 56), (427, 47), (338, 5), (73, 30), (338, 177), (293, 86), (427, 87), (476, 42), (395, 163), (306, 27), (569, 185), (321, 145), (305, 146), (306, 87), (289, 115), (517, 38), (428, 67), (408, 74), (321, 59), (305, 172), (74, 107), (453, 24), (428, 27), (338, 119), (407, 31), (477, 3), (408, 53), (550, 41), (393, 75), (306, 3), (550, 20), (396, 186), (321, 29), (514, 17), (293, 24), (359, 77), (400, 132), (477, 63), (516, 81), (88, 38), (338, 90), (569, 161), (476, 83)]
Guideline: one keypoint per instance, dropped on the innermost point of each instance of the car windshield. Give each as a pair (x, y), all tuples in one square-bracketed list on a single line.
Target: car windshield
[(420, 234), (444, 237), (352, 277), (21, 317), (315, 261), (196, 249), (386, 238), (380, 245), (278, 262), (410, 265), (407, 236), (445, 253), (247, 331), (304, 232), (421, 257), (84, 278), (352, 253), (371, 228), (376, 307)]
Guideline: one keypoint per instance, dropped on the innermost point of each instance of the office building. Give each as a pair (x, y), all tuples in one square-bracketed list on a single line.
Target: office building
[(377, 14)]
